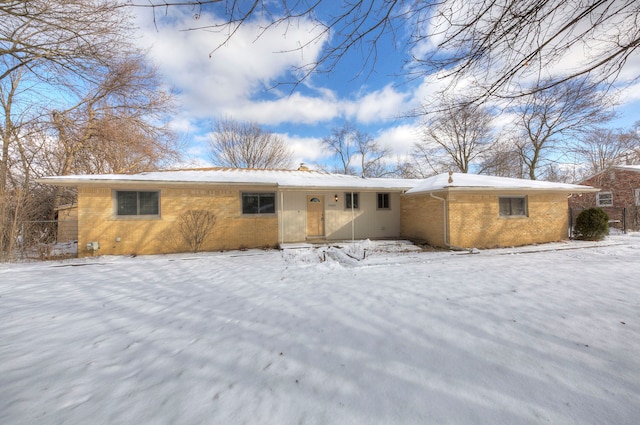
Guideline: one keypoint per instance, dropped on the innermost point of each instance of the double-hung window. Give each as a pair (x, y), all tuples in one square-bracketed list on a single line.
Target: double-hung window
[(513, 206), (129, 202), (383, 201), (258, 203), (351, 200), (604, 199)]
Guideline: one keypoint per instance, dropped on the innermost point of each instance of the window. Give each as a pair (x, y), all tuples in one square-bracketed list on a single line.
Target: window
[(137, 203), (347, 200), (259, 203), (604, 199), (636, 195), (515, 206), (383, 201)]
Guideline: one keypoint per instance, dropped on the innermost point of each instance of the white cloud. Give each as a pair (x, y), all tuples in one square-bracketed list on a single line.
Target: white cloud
[(399, 139), (295, 108), (379, 105), (306, 150), (242, 69)]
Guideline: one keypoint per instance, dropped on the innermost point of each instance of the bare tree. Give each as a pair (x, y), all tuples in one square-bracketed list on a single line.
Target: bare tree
[(454, 138), (52, 54), (246, 145), (195, 226), (498, 44), (341, 145), (347, 146), (117, 125), (605, 148), (549, 118), (503, 159), (73, 35)]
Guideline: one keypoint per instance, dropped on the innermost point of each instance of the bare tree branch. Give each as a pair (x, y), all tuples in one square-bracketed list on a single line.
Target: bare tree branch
[(245, 145)]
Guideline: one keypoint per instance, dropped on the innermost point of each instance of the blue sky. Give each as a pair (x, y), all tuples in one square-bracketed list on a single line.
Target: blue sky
[(240, 80)]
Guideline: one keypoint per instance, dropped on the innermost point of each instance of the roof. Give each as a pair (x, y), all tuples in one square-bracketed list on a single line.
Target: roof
[(447, 181), (294, 179), (635, 168)]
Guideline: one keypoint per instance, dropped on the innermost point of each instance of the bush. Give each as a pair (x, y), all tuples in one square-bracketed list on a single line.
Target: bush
[(592, 225)]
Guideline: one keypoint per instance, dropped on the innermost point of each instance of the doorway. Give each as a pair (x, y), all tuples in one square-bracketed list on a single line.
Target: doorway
[(315, 216)]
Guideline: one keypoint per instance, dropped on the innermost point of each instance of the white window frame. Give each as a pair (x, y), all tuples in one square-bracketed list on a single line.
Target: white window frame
[(382, 196), (607, 201), (636, 197), (347, 200)]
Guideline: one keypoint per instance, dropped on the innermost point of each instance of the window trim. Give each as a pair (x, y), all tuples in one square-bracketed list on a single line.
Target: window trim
[(599, 203), (386, 196), (636, 197), (511, 215), (137, 215), (347, 200), (259, 194)]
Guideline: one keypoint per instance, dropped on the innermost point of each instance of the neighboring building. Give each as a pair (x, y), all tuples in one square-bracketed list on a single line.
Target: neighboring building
[(67, 223), (466, 211), (140, 213), (619, 195)]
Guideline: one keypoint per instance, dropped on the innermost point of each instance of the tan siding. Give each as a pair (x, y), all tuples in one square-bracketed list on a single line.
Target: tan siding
[(294, 217), (368, 221)]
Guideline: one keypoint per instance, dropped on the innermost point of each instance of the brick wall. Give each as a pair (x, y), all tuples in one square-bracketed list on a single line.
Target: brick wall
[(473, 220), (133, 235), (422, 219), (621, 184)]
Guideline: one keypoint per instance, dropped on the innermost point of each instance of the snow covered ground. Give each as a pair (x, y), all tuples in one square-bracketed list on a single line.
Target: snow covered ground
[(369, 333)]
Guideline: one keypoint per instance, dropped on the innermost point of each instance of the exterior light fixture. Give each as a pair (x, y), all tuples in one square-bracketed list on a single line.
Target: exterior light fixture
[(335, 197)]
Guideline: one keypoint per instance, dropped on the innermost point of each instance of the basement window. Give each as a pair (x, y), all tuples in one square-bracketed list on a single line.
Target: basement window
[(513, 206), (130, 203), (604, 199), (259, 203)]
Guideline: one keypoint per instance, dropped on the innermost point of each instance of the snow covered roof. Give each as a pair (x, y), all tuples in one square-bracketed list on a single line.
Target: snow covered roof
[(628, 167), (477, 181), (236, 176)]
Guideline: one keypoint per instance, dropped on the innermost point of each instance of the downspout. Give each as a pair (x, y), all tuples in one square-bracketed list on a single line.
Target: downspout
[(444, 221), (281, 219), (444, 216), (353, 225)]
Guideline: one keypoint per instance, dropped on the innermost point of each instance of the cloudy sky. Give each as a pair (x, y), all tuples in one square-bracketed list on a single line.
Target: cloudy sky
[(243, 78)]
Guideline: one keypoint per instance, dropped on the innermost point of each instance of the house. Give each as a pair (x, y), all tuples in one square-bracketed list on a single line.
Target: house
[(619, 196), (466, 211), (142, 213)]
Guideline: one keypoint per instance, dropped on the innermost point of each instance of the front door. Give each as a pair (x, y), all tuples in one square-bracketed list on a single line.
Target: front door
[(315, 216)]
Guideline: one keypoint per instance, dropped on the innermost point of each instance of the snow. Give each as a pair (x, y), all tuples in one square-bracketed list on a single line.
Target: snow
[(230, 176), (354, 333), (461, 180)]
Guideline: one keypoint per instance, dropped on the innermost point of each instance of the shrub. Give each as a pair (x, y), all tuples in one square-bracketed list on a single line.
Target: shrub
[(592, 225), (195, 226)]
